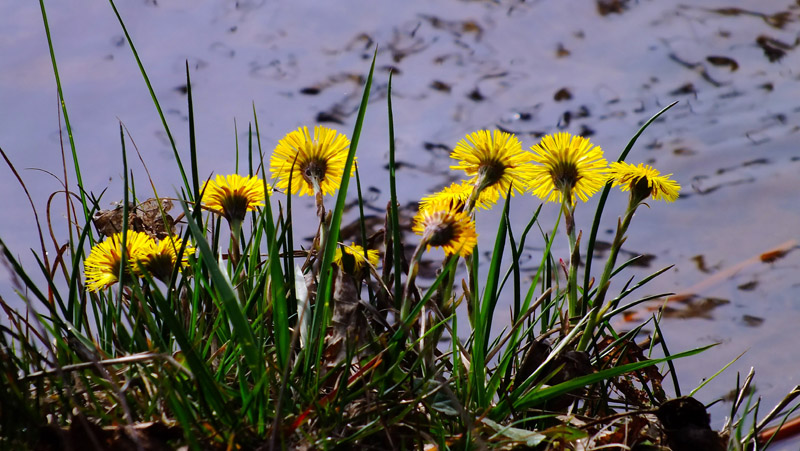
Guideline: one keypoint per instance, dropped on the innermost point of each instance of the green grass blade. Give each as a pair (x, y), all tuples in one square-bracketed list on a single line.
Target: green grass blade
[(602, 201), (192, 146), (66, 115), (484, 315), (537, 397), (397, 245), (325, 282), (714, 376)]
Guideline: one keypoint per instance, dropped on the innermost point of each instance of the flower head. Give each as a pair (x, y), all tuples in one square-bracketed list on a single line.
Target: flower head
[(310, 161), (160, 259), (457, 194), (233, 196), (102, 266), (644, 181), (567, 164), (357, 253), (442, 226), (495, 161)]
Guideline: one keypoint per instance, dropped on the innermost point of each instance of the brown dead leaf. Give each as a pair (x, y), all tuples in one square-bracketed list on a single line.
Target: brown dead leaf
[(145, 217)]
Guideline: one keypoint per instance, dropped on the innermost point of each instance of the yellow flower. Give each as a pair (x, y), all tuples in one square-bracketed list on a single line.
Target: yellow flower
[(441, 226), (160, 259), (458, 194), (102, 266), (357, 252), (568, 164), (319, 160), (644, 181), (495, 161), (233, 196)]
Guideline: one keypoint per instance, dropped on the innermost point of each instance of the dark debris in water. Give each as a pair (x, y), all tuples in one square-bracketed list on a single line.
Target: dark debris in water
[(311, 90), (475, 95), (723, 61), (436, 147), (332, 80), (438, 85), (752, 321), (400, 165), (699, 68), (695, 307), (684, 89), (404, 44), (748, 286), (776, 20), (684, 151), (641, 260), (700, 262), (586, 131), (562, 94), (757, 161), (455, 27), (774, 49), (606, 7), (699, 184), (775, 255), (531, 133), (330, 116), (561, 51)]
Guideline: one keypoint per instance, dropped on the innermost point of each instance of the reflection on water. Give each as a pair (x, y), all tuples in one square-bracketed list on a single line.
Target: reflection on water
[(531, 68)]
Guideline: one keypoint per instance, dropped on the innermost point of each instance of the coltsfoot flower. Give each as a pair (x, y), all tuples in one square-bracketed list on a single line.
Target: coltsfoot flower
[(567, 164), (102, 266), (441, 226), (495, 161), (233, 196), (357, 252), (644, 181), (161, 257), (317, 160)]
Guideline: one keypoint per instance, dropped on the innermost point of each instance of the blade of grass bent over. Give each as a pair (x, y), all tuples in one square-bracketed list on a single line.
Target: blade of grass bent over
[(64, 111)]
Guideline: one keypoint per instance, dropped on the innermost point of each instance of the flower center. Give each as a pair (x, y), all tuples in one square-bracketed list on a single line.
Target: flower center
[(315, 169), (491, 172), (441, 233), (565, 175), (234, 206), (640, 189), (160, 265)]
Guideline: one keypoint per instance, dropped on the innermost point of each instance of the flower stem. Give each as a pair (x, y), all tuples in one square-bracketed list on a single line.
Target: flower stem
[(412, 275), (602, 288), (236, 257), (568, 208)]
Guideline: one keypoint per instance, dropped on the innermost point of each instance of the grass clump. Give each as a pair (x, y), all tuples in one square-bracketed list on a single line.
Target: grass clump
[(196, 321)]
